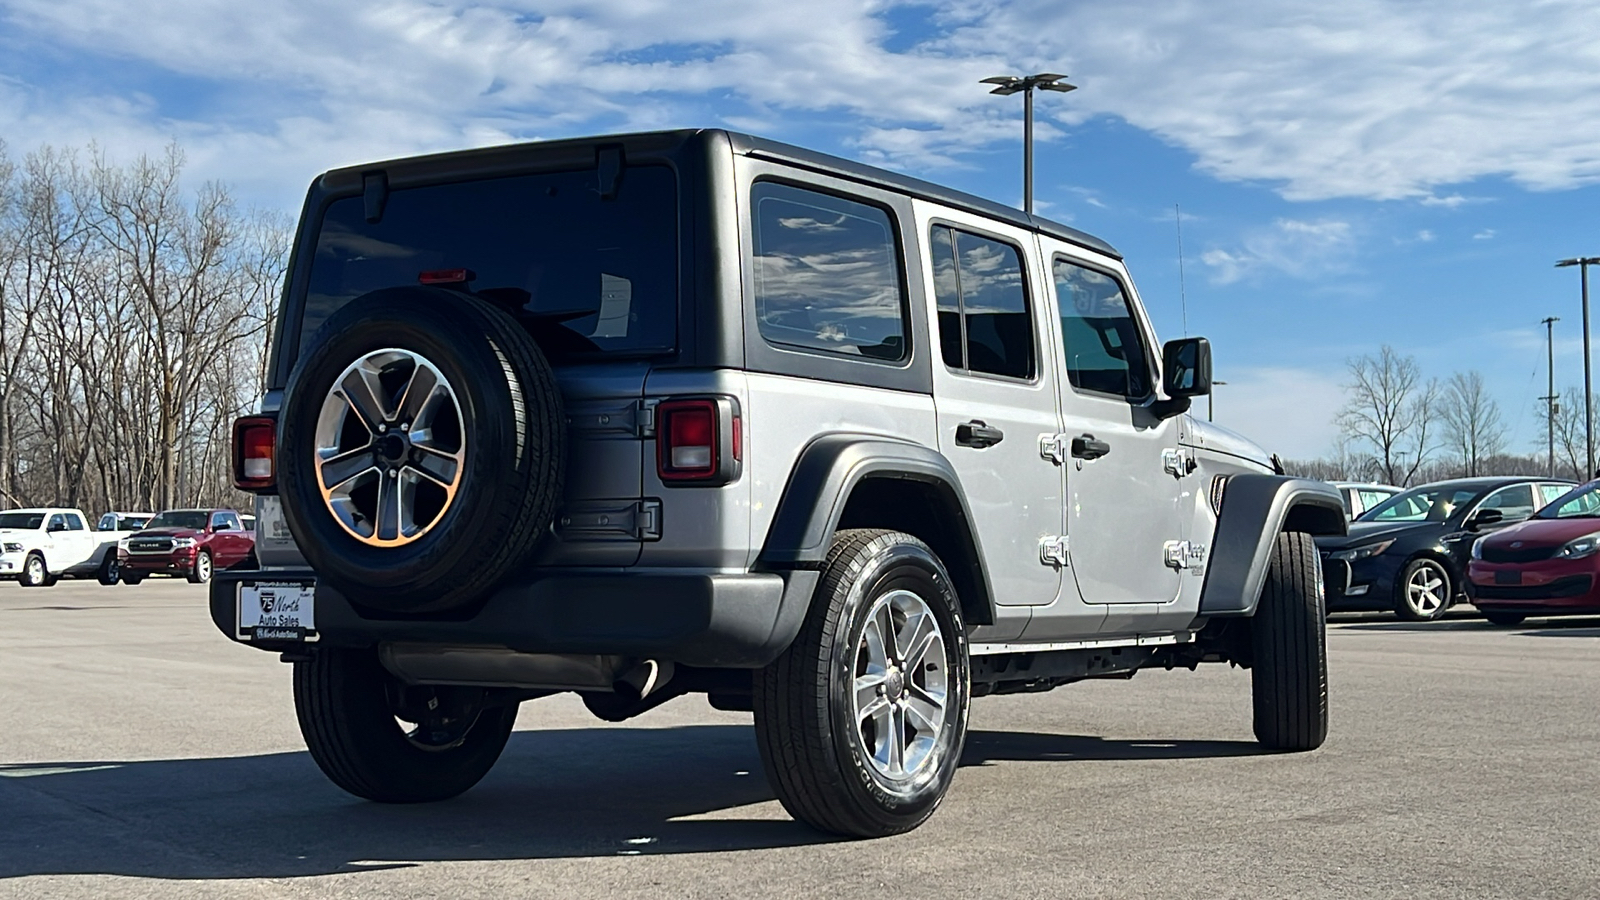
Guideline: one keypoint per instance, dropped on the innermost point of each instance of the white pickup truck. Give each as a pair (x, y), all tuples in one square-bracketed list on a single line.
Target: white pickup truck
[(38, 546)]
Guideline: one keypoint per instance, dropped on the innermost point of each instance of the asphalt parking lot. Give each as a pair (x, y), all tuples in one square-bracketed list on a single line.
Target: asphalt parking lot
[(146, 756)]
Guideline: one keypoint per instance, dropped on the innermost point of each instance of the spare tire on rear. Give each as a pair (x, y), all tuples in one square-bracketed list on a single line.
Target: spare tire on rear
[(421, 449)]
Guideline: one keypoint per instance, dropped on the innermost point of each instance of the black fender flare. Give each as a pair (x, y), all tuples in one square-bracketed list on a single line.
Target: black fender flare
[(830, 468), (1255, 509)]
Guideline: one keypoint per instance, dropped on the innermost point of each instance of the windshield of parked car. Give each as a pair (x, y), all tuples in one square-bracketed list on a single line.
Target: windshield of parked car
[(586, 274), (192, 519), (1578, 503), (21, 520), (1431, 503)]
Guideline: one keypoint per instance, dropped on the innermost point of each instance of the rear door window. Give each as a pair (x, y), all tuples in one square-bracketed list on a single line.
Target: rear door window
[(827, 273), (984, 321), (587, 275)]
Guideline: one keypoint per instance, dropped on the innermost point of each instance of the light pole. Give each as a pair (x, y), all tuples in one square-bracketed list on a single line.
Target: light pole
[(1211, 406), (1007, 85), (1550, 398), (1583, 263)]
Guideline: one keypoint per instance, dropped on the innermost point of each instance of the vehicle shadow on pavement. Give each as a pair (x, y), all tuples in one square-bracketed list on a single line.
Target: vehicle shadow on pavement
[(589, 792)]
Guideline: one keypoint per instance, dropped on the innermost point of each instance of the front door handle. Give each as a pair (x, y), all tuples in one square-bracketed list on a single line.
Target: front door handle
[(1084, 446), (978, 434)]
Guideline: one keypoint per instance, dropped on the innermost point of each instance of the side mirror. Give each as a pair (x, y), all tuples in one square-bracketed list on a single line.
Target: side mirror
[(1185, 374), (1485, 517)]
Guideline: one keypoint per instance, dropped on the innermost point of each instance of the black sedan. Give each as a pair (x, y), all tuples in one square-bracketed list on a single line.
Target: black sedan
[(1410, 553)]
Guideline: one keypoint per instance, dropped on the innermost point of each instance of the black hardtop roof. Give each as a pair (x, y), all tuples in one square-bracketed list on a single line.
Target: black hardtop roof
[(485, 160)]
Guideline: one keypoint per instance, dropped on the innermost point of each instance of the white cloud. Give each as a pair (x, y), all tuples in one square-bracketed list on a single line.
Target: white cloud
[(1292, 247), (1288, 411), (1371, 98), (1485, 235), (1425, 236)]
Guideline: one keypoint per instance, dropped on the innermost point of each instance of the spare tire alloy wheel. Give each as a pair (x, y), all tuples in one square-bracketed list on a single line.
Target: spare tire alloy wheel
[(421, 449), (390, 447), (1424, 591)]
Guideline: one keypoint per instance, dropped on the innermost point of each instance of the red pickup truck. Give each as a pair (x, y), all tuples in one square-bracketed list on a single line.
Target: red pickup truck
[(188, 542)]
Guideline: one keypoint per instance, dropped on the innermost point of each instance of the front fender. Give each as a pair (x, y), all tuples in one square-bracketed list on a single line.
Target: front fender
[(1255, 509)]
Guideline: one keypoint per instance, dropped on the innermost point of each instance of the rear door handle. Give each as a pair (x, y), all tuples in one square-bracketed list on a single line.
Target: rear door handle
[(978, 434), (1084, 446)]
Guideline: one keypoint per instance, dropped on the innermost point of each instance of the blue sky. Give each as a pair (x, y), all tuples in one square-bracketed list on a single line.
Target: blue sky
[(1349, 175)]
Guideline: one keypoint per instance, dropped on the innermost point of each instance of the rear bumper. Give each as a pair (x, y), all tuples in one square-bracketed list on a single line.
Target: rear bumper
[(709, 620)]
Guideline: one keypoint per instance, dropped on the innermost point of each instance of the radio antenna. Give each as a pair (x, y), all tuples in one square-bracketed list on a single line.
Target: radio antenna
[(1183, 300)]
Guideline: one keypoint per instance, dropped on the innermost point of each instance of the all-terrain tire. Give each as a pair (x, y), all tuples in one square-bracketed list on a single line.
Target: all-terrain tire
[(345, 702), (1289, 675), (513, 438), (812, 744)]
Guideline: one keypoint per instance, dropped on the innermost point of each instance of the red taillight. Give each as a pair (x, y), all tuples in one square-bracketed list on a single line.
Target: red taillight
[(254, 443), (446, 276), (697, 441), (687, 446)]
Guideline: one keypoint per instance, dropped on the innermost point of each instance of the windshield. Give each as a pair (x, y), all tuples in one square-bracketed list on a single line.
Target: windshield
[(584, 274), (27, 521), (1433, 503), (192, 519), (1578, 503)]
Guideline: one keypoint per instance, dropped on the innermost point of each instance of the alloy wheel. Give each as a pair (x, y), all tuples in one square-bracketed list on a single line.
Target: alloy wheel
[(901, 686), (1426, 591), (390, 447)]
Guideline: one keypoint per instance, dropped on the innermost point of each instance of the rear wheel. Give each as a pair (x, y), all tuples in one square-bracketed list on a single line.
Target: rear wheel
[(1289, 677), (383, 740), (861, 721), (1506, 619), (201, 572), (1423, 592)]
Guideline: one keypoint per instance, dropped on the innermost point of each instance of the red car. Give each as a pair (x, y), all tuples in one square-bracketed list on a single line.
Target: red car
[(1548, 565), (189, 542)]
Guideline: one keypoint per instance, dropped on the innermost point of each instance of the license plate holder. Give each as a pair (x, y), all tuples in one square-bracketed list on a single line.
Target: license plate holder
[(277, 611), (1511, 576)]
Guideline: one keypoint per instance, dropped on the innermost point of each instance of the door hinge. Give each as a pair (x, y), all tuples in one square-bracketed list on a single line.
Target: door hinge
[(634, 419), (1053, 447), (609, 520), (1173, 463), (1053, 550)]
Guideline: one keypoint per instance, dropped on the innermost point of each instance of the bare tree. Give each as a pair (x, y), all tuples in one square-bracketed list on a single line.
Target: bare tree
[(1571, 453), (1473, 429), (134, 318), (1390, 412)]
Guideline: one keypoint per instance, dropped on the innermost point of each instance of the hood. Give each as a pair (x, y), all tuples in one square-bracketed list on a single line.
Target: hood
[(1371, 532), (1543, 532), (1211, 436), (165, 533), (20, 532)]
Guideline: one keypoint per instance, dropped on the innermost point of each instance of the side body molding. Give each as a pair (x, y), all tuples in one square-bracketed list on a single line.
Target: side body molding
[(1255, 509), (829, 470)]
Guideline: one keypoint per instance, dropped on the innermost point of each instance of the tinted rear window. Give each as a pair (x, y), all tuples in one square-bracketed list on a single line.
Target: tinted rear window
[(595, 275)]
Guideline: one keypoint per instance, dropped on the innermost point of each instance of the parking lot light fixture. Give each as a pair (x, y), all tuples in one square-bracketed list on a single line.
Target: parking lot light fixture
[(1006, 85), (1583, 263)]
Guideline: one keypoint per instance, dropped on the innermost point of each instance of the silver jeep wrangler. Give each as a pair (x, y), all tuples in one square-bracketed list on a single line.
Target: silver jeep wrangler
[(695, 412)]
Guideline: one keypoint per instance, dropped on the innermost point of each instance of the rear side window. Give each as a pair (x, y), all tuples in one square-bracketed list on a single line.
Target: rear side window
[(1515, 502), (1104, 351), (588, 275), (1549, 492), (74, 523), (984, 323), (827, 273)]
